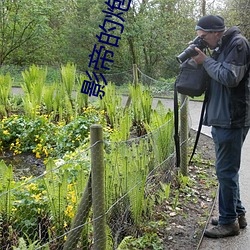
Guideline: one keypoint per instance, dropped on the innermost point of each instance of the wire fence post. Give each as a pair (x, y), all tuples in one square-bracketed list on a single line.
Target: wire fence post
[(184, 135), (135, 81), (98, 195), (135, 74)]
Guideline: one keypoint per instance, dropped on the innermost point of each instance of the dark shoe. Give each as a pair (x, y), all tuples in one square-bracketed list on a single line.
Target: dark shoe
[(241, 219), (221, 231)]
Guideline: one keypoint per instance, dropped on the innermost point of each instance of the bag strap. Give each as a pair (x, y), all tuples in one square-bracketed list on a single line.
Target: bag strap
[(176, 126), (199, 127)]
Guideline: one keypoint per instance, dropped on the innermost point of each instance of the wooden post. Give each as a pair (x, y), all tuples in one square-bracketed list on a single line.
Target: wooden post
[(98, 195), (184, 135), (135, 81), (135, 74)]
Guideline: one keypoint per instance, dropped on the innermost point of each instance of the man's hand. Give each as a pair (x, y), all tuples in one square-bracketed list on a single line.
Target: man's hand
[(200, 58)]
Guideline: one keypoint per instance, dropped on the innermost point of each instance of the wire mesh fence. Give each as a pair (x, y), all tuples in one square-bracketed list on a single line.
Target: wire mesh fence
[(55, 210)]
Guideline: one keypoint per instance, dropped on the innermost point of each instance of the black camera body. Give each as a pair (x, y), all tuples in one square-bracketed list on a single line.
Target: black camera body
[(190, 51)]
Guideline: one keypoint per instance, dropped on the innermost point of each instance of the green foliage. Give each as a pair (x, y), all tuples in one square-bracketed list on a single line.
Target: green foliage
[(6, 184), (161, 126), (33, 85), (141, 104), (22, 23), (46, 32), (82, 101), (112, 105), (5, 89), (30, 206), (56, 187), (164, 191), (126, 172), (48, 98), (29, 245), (68, 73), (147, 241), (55, 196), (43, 137)]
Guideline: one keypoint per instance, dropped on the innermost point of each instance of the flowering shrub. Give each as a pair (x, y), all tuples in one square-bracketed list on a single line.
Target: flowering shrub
[(43, 137)]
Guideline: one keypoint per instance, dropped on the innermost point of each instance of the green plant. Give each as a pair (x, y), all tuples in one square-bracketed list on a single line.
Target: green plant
[(184, 181), (161, 128), (68, 74), (147, 241), (6, 196), (48, 98), (81, 100), (30, 208), (164, 191), (176, 199), (141, 104), (5, 89), (23, 246), (111, 104), (33, 86)]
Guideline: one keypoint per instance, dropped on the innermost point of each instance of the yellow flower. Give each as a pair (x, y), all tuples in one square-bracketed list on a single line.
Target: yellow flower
[(31, 187), (12, 145), (37, 196), (69, 211), (14, 209), (73, 199), (38, 155), (6, 132)]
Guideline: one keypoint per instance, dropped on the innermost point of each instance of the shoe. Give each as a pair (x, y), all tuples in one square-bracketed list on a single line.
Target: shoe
[(241, 219), (221, 231)]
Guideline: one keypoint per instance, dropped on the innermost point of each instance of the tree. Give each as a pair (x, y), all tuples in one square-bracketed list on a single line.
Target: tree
[(21, 21), (237, 12)]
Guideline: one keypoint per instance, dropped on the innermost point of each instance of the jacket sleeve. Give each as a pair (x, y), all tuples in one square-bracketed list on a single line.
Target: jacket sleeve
[(234, 66)]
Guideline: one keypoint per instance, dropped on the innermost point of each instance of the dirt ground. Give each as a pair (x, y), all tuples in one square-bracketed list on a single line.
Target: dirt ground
[(187, 222)]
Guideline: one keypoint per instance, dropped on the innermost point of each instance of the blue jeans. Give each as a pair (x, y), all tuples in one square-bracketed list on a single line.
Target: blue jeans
[(228, 145)]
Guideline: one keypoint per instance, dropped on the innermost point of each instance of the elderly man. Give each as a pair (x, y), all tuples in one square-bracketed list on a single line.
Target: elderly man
[(228, 112)]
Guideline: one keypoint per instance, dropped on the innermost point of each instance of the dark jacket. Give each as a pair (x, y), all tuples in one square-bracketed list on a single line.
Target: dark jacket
[(229, 90)]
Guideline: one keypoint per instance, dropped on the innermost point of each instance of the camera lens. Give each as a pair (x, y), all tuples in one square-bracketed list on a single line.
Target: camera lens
[(187, 53)]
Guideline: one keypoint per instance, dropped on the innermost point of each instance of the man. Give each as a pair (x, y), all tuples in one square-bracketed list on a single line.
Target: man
[(228, 112)]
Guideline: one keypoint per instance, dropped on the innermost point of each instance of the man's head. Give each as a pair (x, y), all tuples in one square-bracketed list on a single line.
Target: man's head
[(211, 29)]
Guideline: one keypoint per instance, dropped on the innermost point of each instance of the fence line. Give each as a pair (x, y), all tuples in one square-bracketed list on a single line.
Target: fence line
[(115, 211)]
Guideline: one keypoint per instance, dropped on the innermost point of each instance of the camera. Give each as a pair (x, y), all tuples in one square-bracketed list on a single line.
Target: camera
[(190, 51)]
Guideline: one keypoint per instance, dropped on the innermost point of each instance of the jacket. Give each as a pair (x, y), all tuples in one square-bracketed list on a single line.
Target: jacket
[(228, 103)]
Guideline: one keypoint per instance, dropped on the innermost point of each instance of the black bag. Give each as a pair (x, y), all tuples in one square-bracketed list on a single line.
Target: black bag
[(192, 80)]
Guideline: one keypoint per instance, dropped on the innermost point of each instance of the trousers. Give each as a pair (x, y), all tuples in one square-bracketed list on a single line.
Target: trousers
[(228, 146)]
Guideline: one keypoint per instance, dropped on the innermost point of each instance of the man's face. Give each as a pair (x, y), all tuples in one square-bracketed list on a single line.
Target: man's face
[(211, 38)]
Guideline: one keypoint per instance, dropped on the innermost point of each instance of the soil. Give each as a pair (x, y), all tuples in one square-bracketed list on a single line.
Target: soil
[(25, 164), (187, 222)]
